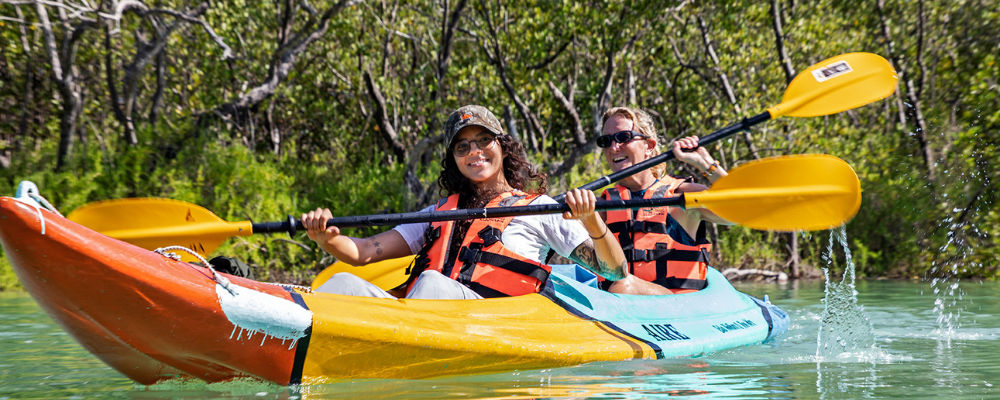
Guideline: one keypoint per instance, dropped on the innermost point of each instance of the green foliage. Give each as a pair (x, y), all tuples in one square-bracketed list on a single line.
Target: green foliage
[(740, 247), (8, 280), (315, 141), (357, 190)]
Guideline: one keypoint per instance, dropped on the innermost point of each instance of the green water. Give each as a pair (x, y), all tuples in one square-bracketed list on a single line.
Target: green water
[(926, 341)]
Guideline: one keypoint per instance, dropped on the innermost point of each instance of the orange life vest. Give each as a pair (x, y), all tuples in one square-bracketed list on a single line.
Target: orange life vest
[(657, 247), (482, 262)]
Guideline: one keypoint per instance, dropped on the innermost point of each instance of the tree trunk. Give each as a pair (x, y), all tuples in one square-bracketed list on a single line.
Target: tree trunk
[(65, 75), (793, 262), (913, 108)]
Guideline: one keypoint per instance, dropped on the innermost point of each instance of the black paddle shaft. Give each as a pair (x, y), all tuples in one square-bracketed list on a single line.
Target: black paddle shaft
[(292, 225), (713, 137)]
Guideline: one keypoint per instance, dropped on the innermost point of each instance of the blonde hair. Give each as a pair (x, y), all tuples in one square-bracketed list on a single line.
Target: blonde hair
[(643, 123)]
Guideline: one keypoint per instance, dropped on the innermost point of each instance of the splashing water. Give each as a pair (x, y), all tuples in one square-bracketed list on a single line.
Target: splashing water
[(948, 300), (845, 330), (947, 294)]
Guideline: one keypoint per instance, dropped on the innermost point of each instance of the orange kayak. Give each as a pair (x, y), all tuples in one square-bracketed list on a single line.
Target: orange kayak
[(147, 316)]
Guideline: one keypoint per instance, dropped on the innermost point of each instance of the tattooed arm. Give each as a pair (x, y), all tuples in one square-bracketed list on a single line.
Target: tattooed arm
[(352, 250), (601, 253), (586, 255)]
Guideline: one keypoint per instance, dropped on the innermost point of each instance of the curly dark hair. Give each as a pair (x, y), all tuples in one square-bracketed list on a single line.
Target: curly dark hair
[(520, 174)]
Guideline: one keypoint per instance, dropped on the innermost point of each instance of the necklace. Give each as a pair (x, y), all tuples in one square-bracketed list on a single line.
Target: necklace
[(643, 191)]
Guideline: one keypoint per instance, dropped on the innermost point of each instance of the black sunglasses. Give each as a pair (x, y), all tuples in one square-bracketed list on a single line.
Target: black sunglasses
[(463, 147), (604, 141)]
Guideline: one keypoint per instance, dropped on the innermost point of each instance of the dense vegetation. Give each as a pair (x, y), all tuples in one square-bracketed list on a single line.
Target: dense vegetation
[(256, 110)]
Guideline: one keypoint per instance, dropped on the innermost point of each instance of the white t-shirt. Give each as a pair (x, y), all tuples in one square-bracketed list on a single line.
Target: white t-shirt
[(530, 236)]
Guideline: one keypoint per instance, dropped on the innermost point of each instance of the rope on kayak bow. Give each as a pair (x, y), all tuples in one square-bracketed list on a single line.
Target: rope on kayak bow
[(221, 280), (168, 253), (27, 192), (301, 288)]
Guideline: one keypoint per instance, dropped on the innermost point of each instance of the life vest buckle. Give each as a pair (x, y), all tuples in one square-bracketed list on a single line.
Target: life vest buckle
[(489, 235), (470, 254), (648, 255), (432, 234), (638, 226)]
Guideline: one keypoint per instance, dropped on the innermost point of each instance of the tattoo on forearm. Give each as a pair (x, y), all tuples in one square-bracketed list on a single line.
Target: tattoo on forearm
[(378, 248), (586, 255)]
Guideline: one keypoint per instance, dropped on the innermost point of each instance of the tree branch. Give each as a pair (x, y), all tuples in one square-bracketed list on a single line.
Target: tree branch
[(578, 134), (710, 49), (195, 18), (382, 118), (284, 59), (448, 26), (65, 76), (498, 59), (548, 60), (779, 38), (574, 157)]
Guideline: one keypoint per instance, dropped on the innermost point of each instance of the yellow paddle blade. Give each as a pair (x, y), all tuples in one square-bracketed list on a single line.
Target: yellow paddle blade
[(788, 193), (386, 274), (152, 223), (837, 84)]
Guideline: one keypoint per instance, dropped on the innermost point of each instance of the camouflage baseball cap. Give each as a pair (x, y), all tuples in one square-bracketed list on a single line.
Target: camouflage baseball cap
[(472, 115)]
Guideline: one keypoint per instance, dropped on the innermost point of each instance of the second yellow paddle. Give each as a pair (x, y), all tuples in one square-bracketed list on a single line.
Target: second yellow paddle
[(803, 192)]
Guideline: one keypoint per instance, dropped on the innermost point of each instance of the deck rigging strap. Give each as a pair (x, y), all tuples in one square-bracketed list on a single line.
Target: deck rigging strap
[(168, 252)]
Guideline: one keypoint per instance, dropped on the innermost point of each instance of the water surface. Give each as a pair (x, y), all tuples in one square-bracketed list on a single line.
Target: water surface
[(917, 351)]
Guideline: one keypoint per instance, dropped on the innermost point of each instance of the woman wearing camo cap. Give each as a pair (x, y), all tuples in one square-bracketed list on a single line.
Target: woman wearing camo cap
[(491, 257)]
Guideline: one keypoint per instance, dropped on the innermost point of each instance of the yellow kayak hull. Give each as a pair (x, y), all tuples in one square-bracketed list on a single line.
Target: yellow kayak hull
[(353, 337)]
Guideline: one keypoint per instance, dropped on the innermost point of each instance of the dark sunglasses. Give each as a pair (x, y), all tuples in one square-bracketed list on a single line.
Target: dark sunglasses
[(463, 147), (604, 141)]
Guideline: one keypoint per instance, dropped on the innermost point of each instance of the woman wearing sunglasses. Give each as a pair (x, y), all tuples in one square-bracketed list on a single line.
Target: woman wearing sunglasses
[(471, 259), (666, 247)]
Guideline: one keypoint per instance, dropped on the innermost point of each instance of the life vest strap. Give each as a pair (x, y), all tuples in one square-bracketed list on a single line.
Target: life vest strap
[(636, 255), (430, 235), (485, 291), (681, 283), (421, 262), (637, 226), (470, 256), (481, 262)]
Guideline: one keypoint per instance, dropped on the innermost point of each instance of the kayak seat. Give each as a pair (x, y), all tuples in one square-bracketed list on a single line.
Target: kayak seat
[(231, 266), (576, 273)]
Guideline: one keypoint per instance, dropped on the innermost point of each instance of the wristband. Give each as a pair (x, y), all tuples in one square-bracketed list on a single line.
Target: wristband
[(602, 235), (710, 169)]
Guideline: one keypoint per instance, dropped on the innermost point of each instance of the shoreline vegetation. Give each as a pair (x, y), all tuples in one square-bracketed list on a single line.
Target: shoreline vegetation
[(261, 110)]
